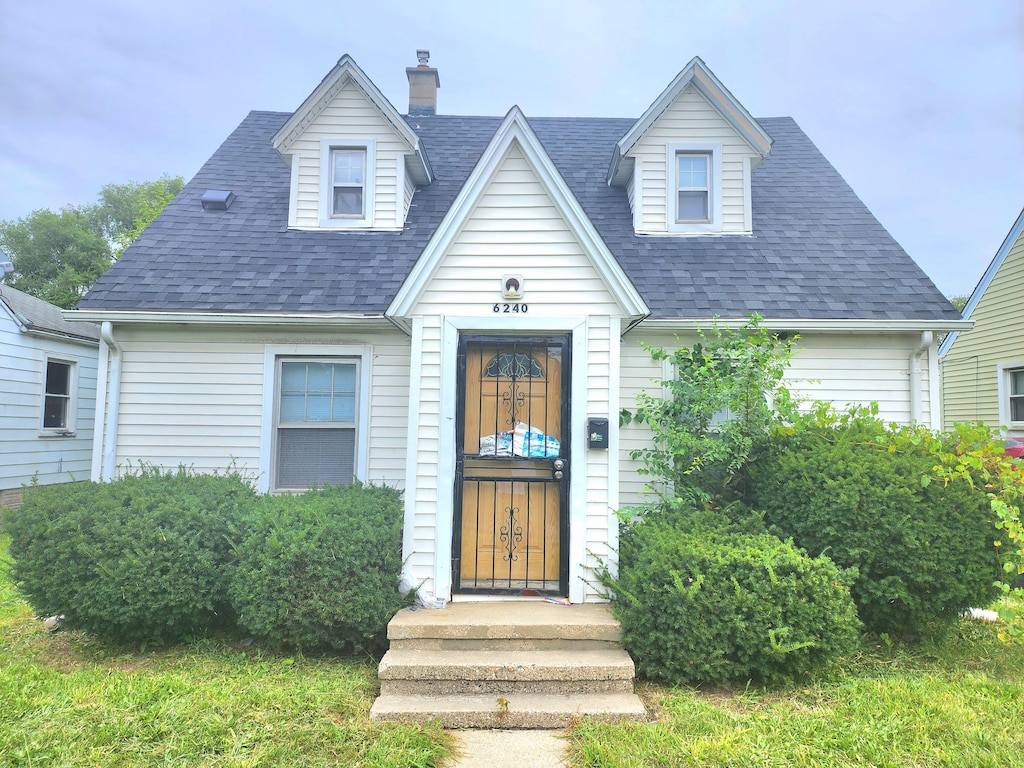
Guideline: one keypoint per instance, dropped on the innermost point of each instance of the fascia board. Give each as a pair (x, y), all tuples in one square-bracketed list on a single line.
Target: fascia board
[(63, 337), (812, 324), (986, 279), (695, 73), (516, 128)]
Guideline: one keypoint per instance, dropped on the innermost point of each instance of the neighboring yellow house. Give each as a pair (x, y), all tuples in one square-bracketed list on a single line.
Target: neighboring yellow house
[(983, 369)]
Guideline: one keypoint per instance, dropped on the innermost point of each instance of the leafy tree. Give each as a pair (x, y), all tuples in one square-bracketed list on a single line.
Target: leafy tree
[(725, 393), (58, 256), (124, 210), (959, 302)]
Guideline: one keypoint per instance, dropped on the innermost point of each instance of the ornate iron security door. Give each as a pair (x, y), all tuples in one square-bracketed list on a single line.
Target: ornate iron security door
[(511, 468)]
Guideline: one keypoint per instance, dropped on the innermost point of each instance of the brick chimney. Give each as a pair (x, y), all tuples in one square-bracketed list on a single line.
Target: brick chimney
[(423, 85)]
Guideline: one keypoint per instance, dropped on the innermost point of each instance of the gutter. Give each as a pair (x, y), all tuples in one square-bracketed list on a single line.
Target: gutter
[(927, 338), (219, 318), (805, 324), (113, 403)]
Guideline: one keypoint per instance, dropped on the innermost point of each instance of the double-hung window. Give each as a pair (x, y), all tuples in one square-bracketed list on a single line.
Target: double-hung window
[(317, 416), (347, 168), (693, 187), (1015, 388), (348, 176), (58, 401)]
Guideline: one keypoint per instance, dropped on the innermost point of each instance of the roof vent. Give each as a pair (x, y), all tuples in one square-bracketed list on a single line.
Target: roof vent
[(217, 199)]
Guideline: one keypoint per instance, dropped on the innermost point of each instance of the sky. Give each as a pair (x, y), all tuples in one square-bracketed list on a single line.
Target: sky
[(918, 103)]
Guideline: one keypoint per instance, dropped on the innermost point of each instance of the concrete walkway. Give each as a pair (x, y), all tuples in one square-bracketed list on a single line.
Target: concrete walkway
[(509, 749)]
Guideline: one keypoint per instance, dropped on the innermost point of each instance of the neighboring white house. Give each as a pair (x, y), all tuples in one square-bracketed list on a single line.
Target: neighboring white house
[(455, 306), (47, 395), (983, 369)]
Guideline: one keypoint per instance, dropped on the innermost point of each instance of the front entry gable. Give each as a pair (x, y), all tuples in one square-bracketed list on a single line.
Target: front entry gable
[(516, 217)]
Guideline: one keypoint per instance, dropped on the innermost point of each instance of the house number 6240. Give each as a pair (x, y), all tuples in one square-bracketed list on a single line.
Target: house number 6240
[(505, 309)]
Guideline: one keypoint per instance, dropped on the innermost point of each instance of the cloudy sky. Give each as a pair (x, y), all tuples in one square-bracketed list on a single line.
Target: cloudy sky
[(918, 103)]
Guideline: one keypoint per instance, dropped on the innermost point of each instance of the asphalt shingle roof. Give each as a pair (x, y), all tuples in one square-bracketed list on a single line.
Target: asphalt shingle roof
[(816, 251), (43, 317)]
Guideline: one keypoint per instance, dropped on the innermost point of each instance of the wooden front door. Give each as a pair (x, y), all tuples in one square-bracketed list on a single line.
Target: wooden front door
[(511, 476)]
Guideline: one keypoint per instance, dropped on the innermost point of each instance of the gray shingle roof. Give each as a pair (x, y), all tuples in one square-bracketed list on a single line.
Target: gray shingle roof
[(816, 251), (41, 316)]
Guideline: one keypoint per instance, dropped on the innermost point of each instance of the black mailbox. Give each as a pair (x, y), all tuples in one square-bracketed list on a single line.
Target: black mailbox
[(597, 433)]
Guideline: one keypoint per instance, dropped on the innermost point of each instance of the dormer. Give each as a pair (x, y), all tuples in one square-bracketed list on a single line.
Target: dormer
[(355, 162), (686, 164)]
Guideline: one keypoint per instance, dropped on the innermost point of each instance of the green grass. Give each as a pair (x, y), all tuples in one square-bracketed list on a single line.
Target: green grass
[(65, 701), (956, 703)]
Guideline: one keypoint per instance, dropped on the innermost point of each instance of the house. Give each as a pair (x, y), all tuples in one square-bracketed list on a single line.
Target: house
[(455, 305), (983, 369), (47, 395)]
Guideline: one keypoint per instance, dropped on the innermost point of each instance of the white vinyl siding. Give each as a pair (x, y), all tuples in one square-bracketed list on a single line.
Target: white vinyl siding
[(516, 229), (27, 452), (971, 367), (350, 117), (195, 397), (691, 121), (427, 541), (843, 369)]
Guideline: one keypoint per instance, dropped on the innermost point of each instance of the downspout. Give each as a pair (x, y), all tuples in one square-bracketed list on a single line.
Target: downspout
[(915, 376), (113, 402)]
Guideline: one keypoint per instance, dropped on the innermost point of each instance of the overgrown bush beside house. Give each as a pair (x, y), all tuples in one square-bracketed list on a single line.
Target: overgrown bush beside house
[(321, 571), (142, 560), (865, 493), (702, 601)]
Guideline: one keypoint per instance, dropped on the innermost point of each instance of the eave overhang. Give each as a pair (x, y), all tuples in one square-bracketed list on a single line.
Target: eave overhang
[(322, 319), (986, 279)]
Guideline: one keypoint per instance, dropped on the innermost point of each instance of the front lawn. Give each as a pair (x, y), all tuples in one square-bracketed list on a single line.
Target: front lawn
[(958, 703), (67, 701)]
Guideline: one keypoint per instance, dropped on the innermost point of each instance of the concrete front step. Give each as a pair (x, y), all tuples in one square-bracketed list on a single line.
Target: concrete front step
[(513, 711), (514, 626), (434, 672), (506, 665)]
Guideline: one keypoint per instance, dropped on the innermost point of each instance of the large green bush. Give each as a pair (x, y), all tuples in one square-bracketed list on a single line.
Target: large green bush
[(143, 559), (863, 493), (703, 603), (321, 571)]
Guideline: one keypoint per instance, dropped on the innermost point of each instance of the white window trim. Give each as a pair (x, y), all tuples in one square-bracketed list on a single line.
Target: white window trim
[(714, 224), (327, 220), (271, 355), (1003, 371), (70, 429)]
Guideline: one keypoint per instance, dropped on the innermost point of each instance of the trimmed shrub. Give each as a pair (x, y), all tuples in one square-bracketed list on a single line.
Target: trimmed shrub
[(321, 571), (141, 560), (703, 603), (863, 494)]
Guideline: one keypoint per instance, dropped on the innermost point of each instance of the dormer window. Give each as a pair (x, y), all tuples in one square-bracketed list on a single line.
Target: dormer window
[(693, 187), (348, 174), (347, 168)]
